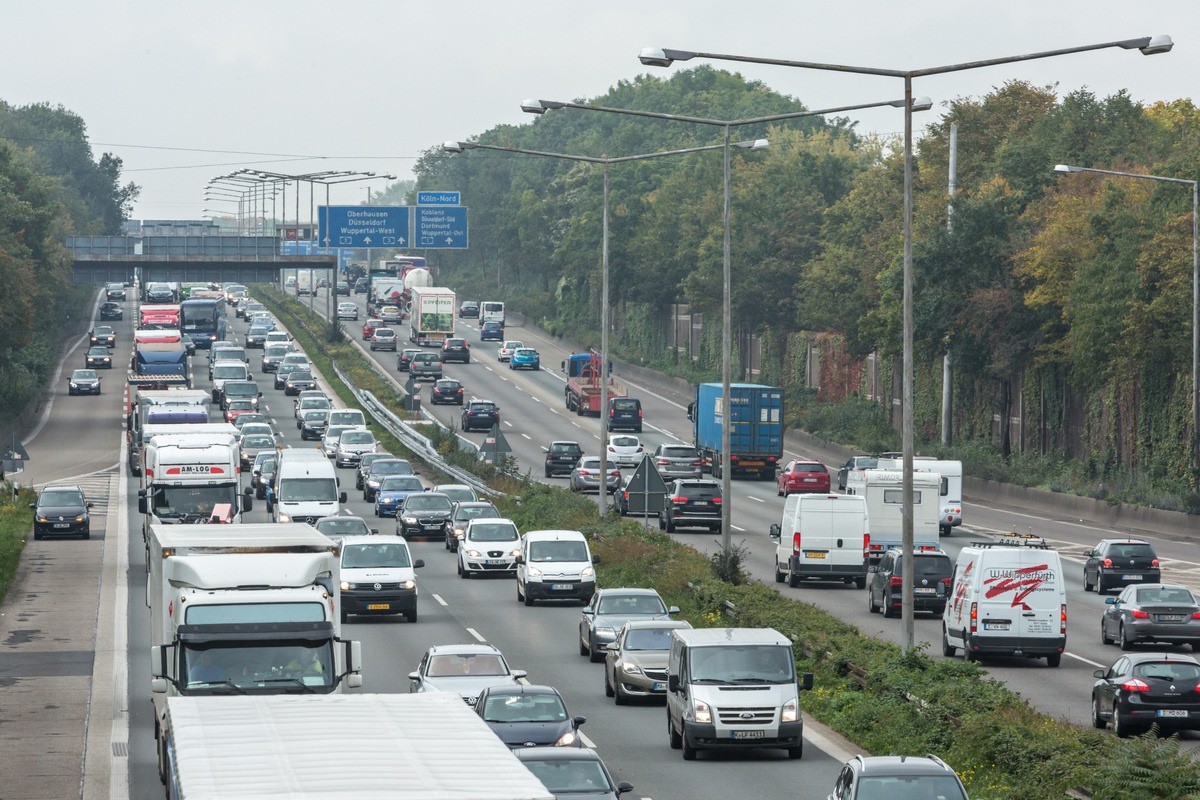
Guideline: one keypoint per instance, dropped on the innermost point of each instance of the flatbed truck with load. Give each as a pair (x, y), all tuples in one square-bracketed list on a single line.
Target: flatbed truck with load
[(244, 610), (585, 381), (755, 433)]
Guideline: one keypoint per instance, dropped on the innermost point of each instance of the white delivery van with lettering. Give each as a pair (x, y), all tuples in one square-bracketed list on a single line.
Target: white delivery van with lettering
[(1008, 598)]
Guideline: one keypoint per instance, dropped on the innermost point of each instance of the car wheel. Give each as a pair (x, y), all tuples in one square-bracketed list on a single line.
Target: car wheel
[(86, 535), (1087, 584), (792, 578), (871, 607), (1124, 641), (779, 492), (595, 654), (670, 524), (411, 616), (1097, 720), (1104, 637), (889, 610), (780, 575), (675, 739), (970, 655), (797, 751), (608, 687), (689, 752), (1123, 730), (1054, 659), (528, 599), (462, 573), (36, 534), (520, 597), (1100, 587), (662, 523), (948, 650)]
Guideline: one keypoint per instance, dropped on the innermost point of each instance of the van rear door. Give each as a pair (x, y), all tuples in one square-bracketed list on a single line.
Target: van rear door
[(1021, 595)]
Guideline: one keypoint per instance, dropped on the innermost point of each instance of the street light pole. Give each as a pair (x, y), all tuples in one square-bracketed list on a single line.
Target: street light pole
[(660, 57), (1194, 440)]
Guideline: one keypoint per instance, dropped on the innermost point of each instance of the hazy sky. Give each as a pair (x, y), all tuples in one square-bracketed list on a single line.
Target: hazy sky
[(184, 92)]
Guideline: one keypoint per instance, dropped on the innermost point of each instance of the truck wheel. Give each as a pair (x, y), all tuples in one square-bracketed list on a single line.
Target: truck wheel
[(689, 752), (943, 530), (1054, 659), (948, 650), (675, 739), (780, 575), (793, 578), (797, 751), (860, 582), (411, 616)]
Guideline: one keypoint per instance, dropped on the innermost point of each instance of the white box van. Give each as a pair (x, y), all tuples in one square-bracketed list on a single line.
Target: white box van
[(884, 491), (491, 311), (822, 537), (734, 688), (951, 473), (305, 488), (347, 416), (1008, 598), (555, 565)]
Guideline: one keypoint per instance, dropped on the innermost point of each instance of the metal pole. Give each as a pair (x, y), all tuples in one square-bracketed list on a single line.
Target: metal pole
[(726, 356), (906, 433), (947, 372), (333, 280), (603, 492)]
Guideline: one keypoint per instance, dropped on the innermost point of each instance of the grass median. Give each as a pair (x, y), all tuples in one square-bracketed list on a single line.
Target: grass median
[(16, 523)]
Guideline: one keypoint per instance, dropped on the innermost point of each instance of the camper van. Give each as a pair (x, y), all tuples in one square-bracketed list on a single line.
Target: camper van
[(951, 490), (884, 493)]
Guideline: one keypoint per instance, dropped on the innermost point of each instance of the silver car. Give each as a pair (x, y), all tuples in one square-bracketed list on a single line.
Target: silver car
[(677, 461), (586, 475), (1151, 612), (466, 669), (635, 665), (609, 609)]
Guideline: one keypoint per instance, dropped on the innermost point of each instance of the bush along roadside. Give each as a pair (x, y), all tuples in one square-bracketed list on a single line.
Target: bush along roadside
[(866, 689), (16, 523)]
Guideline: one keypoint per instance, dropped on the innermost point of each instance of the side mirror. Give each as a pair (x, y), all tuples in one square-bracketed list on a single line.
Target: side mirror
[(248, 492), (673, 610), (774, 532), (142, 508), (673, 683), (578, 720), (414, 676), (623, 787), (519, 559), (1098, 673), (519, 673), (613, 646), (873, 568), (420, 562), (34, 505), (587, 612), (1111, 601), (90, 504), (248, 501), (806, 682), (374, 530)]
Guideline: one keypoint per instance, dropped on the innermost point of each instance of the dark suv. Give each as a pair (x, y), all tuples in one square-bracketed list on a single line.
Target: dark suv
[(61, 511), (424, 514), (480, 415), (931, 585), (866, 777), (561, 458), (1116, 563), (425, 366), (456, 350), (691, 504)]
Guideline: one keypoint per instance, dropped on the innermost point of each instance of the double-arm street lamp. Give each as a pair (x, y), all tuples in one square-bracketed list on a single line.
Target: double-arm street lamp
[(1194, 444), (659, 57), (542, 106), (754, 144)]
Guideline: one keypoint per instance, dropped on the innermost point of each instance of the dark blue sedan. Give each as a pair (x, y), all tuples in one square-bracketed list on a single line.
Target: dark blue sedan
[(491, 331), (393, 491)]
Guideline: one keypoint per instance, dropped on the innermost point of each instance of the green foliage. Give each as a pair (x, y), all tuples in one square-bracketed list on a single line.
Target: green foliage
[(16, 522), (1148, 767)]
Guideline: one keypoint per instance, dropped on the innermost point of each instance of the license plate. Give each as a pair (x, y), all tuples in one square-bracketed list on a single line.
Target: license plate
[(747, 734), (495, 561), (432, 527), (1170, 617), (561, 587), (923, 590), (62, 524), (379, 606), (810, 480), (814, 554), (995, 626), (659, 687), (700, 503), (1172, 712), (1131, 577)]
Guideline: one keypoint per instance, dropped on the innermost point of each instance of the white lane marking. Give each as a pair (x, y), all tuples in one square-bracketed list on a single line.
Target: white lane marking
[(1086, 660), (535, 399), (586, 741), (477, 635), (527, 436), (506, 422), (438, 597), (755, 499), (736, 528)]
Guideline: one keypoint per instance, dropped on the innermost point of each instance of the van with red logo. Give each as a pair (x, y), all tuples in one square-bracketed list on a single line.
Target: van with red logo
[(1008, 598)]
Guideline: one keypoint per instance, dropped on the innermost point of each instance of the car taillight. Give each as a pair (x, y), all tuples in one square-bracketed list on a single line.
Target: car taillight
[(1062, 625), (1154, 562), (796, 543), (1196, 615), (640, 448), (662, 462), (897, 582), (678, 500), (583, 473), (1135, 685), (974, 617), (866, 545), (1108, 562), (716, 501), (946, 582), (1138, 614), (699, 462)]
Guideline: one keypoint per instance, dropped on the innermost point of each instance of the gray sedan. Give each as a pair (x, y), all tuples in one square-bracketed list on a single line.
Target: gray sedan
[(677, 461), (609, 609), (1158, 612)]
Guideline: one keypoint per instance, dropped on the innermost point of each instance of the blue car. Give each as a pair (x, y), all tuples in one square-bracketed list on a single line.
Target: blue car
[(525, 358), (393, 491), (491, 331)]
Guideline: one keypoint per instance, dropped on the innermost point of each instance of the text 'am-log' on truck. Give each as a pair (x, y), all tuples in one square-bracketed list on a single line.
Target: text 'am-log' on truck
[(755, 428), (585, 380), (242, 610)]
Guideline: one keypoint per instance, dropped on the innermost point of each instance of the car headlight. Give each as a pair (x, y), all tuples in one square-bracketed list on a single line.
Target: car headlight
[(631, 669), (474, 554), (386, 501), (284, 518), (373, 484), (410, 584), (568, 739), (587, 572), (533, 572), (791, 711), (346, 586), (701, 712), (606, 633), (74, 385), (516, 552), (410, 520), (42, 518)]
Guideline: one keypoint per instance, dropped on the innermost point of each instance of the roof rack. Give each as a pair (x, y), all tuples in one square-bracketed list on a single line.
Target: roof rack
[(1015, 539)]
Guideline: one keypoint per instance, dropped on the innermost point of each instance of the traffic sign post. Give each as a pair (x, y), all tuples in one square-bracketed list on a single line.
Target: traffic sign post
[(364, 226), (647, 485), (440, 228), (494, 445)]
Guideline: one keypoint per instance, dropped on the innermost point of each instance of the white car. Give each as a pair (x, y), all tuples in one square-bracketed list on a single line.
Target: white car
[(332, 435), (506, 350), (466, 669), (377, 575), (278, 337), (625, 450), (489, 546), (383, 339), (352, 445), (347, 311)]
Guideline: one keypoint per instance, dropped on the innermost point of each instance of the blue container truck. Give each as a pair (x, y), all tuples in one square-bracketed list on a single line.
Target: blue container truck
[(756, 428)]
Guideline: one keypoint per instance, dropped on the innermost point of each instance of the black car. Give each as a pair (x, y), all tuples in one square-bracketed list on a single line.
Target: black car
[(691, 504), (469, 308), (114, 291), (931, 582), (61, 511), (342, 288), (361, 286), (102, 335), (480, 415), (456, 350), (855, 463), (111, 311), (423, 514), (1116, 563), (869, 777), (1144, 689), (561, 458), (529, 716), (405, 358), (446, 390), (380, 468), (98, 357), (299, 380)]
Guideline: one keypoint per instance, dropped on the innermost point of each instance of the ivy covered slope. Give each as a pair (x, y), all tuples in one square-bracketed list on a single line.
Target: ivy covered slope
[(1062, 298), (50, 187)]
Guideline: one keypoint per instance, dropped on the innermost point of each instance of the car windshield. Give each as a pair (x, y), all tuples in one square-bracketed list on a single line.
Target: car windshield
[(390, 467), (343, 526), (929, 566), (749, 664), (886, 787), (251, 428), (241, 389), (346, 418), (83, 374), (401, 483), (525, 708), (631, 604), (525, 351), (316, 415), (98, 351), (808, 468), (300, 490), (558, 550), (493, 532), (648, 639), (61, 497), (357, 437), (561, 776), (248, 419), (257, 441), (232, 371), (366, 556), (458, 493), (104, 330), (427, 503), (476, 512), (335, 431), (1166, 594), (449, 666)]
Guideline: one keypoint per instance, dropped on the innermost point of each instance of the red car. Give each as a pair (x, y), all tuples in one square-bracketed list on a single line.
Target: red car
[(238, 407), (368, 332), (802, 476)]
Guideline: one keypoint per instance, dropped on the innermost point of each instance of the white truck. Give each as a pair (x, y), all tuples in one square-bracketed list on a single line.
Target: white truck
[(431, 319), (252, 609), (951, 473), (884, 491), (193, 477), (491, 311), (395, 746), (160, 407)]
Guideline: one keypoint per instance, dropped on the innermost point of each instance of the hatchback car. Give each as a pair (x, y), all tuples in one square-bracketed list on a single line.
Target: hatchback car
[(338, 525), (102, 335), (235, 408), (931, 582), (364, 465), (383, 339), (570, 772), (1144, 689), (529, 716), (1119, 562), (313, 423), (257, 336), (352, 446), (446, 391), (273, 354), (464, 512), (361, 286), (299, 380), (466, 669), (855, 463), (919, 777), (380, 468), (802, 476), (480, 415), (457, 492), (98, 357), (405, 358), (83, 381), (506, 350), (312, 400), (262, 472), (491, 332), (625, 450), (61, 511), (114, 291), (423, 515), (391, 315), (525, 358), (468, 308), (251, 446), (347, 311), (111, 311), (635, 663), (456, 349), (561, 457), (691, 504), (1158, 612), (488, 547), (240, 390), (393, 491), (609, 609), (287, 368), (677, 461), (377, 573), (585, 477), (369, 328)]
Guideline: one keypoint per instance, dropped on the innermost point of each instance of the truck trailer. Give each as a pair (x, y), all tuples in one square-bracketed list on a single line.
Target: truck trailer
[(755, 433), (150, 405), (431, 319)]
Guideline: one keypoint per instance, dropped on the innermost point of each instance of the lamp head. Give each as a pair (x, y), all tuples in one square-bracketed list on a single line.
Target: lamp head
[(1066, 168), (659, 57), (754, 144), (1149, 45), (531, 106), (453, 147), (918, 104)]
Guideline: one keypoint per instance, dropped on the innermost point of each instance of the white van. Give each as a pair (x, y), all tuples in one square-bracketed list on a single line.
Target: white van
[(554, 565), (378, 576), (734, 688), (1008, 598), (884, 491), (305, 487), (822, 537), (347, 416), (491, 311), (951, 473)]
